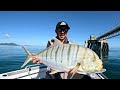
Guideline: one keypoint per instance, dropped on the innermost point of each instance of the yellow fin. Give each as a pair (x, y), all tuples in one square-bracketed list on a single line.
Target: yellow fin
[(75, 69), (29, 57), (53, 71), (57, 42), (72, 76), (28, 60)]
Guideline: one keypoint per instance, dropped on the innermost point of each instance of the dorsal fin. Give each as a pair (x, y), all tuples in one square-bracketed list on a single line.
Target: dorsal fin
[(57, 42)]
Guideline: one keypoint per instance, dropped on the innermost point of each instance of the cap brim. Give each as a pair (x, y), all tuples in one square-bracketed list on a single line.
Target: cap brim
[(64, 27)]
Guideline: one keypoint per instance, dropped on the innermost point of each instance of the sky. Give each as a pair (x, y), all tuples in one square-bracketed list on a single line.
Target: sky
[(37, 27)]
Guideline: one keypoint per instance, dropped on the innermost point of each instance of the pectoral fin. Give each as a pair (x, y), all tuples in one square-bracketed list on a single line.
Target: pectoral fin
[(74, 70), (53, 71)]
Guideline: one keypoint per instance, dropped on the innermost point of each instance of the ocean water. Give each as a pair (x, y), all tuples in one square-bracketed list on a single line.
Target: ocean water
[(112, 63), (12, 57)]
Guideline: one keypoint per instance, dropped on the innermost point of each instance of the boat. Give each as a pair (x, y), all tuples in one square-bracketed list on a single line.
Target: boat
[(38, 71)]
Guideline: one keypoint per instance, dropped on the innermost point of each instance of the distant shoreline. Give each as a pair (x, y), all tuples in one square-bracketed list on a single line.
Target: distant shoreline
[(9, 44)]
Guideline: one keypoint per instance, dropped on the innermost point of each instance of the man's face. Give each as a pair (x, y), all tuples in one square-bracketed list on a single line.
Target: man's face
[(62, 33)]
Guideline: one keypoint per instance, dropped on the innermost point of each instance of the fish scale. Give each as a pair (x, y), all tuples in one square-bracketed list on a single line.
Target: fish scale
[(60, 55)]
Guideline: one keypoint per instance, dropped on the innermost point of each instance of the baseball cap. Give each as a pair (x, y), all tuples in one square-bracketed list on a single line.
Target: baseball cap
[(62, 24)]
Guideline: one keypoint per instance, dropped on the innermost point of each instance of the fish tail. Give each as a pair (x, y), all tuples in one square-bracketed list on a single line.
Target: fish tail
[(29, 57), (26, 51)]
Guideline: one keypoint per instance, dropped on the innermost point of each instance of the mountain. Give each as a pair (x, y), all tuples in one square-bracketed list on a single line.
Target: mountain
[(11, 44)]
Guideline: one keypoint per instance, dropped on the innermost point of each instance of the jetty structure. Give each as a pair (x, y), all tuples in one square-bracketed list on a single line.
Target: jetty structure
[(100, 44)]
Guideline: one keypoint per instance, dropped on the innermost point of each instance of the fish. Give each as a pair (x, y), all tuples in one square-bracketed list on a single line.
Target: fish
[(65, 57)]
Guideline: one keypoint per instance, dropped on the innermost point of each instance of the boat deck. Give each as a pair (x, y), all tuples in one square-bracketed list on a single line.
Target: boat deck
[(39, 72)]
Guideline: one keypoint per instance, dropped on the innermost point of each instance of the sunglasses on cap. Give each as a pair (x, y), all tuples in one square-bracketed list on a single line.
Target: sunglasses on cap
[(64, 30)]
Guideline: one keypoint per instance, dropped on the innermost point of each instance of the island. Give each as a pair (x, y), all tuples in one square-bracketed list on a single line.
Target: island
[(11, 44)]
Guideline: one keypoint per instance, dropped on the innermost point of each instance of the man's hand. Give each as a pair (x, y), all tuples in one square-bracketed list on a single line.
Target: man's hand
[(35, 60), (72, 71)]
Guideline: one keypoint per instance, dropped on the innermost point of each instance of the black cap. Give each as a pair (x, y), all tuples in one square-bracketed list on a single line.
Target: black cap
[(62, 24)]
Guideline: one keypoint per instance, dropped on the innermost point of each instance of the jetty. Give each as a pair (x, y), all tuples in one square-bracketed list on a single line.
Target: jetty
[(100, 44)]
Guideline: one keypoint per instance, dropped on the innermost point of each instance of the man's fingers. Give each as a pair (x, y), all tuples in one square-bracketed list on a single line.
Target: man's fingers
[(35, 60), (38, 62), (73, 71)]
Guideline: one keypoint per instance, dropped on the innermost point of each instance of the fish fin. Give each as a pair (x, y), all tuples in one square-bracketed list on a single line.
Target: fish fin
[(29, 57), (53, 71), (52, 45), (57, 42), (74, 70), (26, 51), (72, 75), (76, 67), (27, 60)]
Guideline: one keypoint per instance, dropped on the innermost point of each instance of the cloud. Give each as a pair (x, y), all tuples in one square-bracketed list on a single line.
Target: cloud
[(7, 35)]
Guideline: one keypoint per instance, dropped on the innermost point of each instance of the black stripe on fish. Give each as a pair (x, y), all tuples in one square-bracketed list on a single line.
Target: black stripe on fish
[(73, 47), (51, 53), (62, 53), (46, 54), (69, 49), (56, 53), (77, 52)]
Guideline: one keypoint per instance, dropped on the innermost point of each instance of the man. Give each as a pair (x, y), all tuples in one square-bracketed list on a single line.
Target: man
[(61, 30)]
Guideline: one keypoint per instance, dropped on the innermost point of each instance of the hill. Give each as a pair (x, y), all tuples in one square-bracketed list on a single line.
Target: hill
[(11, 44)]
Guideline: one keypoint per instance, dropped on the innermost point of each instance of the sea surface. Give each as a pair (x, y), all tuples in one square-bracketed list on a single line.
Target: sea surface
[(12, 57)]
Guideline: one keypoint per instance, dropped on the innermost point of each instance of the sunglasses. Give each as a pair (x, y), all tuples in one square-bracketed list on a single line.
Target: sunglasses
[(64, 30)]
